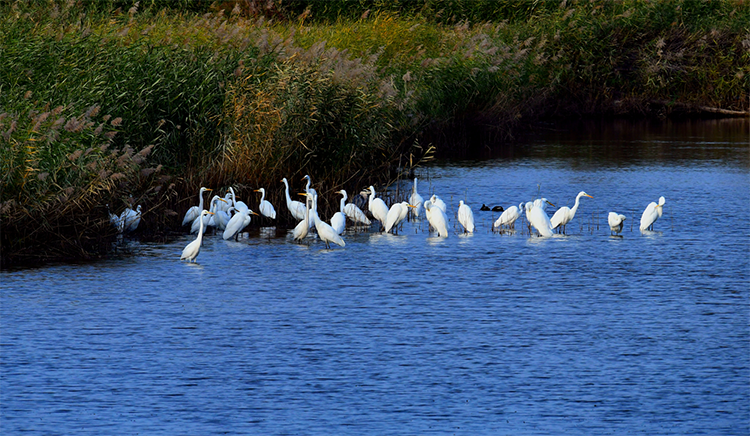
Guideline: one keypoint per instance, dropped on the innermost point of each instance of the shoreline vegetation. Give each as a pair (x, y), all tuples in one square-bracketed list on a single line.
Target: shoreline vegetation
[(112, 104)]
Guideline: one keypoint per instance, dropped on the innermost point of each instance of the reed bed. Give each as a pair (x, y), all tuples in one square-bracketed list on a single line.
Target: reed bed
[(243, 93)]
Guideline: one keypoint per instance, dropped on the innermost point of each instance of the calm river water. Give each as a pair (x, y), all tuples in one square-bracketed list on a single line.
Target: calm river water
[(406, 334)]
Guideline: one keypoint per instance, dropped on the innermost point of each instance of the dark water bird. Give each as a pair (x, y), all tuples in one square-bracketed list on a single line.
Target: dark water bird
[(493, 208)]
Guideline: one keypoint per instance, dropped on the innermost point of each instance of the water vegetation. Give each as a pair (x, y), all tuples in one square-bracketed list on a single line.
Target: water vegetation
[(116, 103)]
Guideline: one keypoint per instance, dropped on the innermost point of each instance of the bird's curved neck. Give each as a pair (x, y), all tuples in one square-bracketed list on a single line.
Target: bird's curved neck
[(200, 230)]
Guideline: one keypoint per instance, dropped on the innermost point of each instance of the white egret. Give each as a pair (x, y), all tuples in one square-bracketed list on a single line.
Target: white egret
[(226, 204), (427, 211), (307, 186), (377, 207), (615, 221), (191, 250), (564, 215), (509, 216), (303, 227), (222, 217), (239, 221), (326, 233), (351, 210), (116, 221), (538, 218), (416, 200), (437, 218), (239, 206), (296, 208), (466, 217), (195, 211), (338, 222), (437, 201), (651, 214), (198, 222), (396, 214), (543, 203), (265, 206), (130, 219)]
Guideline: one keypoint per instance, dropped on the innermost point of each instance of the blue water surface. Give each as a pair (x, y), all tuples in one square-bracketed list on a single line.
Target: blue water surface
[(487, 333)]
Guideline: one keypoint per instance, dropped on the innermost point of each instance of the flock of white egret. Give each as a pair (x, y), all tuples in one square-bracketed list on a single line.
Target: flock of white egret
[(231, 216)]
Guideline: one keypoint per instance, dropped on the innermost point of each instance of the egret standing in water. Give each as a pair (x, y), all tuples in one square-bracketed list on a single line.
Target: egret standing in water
[(416, 200), (377, 207), (437, 218), (615, 221), (265, 206), (303, 227), (239, 221), (466, 217), (351, 210), (198, 222), (509, 216), (396, 214), (437, 201), (191, 250), (338, 221), (326, 233), (538, 219), (130, 219), (651, 214), (296, 208), (564, 215), (195, 211)]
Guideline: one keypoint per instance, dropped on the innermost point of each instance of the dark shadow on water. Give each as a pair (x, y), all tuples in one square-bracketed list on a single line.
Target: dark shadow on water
[(620, 141)]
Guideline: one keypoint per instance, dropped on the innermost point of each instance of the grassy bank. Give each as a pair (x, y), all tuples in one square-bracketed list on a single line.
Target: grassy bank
[(116, 103)]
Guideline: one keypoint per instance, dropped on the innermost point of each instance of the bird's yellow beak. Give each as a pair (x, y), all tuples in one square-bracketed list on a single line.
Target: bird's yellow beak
[(256, 190), (253, 213), (550, 203), (211, 213), (409, 205), (303, 193), (587, 195)]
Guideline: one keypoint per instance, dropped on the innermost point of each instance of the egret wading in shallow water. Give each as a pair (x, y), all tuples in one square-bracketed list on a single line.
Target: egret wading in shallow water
[(437, 218), (651, 214), (130, 219), (509, 216), (116, 221), (466, 217), (351, 210), (296, 208), (239, 221), (437, 201), (326, 233), (198, 222), (195, 211), (615, 221), (338, 222), (538, 219), (191, 250), (265, 206), (564, 215), (416, 200), (303, 227), (396, 214), (377, 207)]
